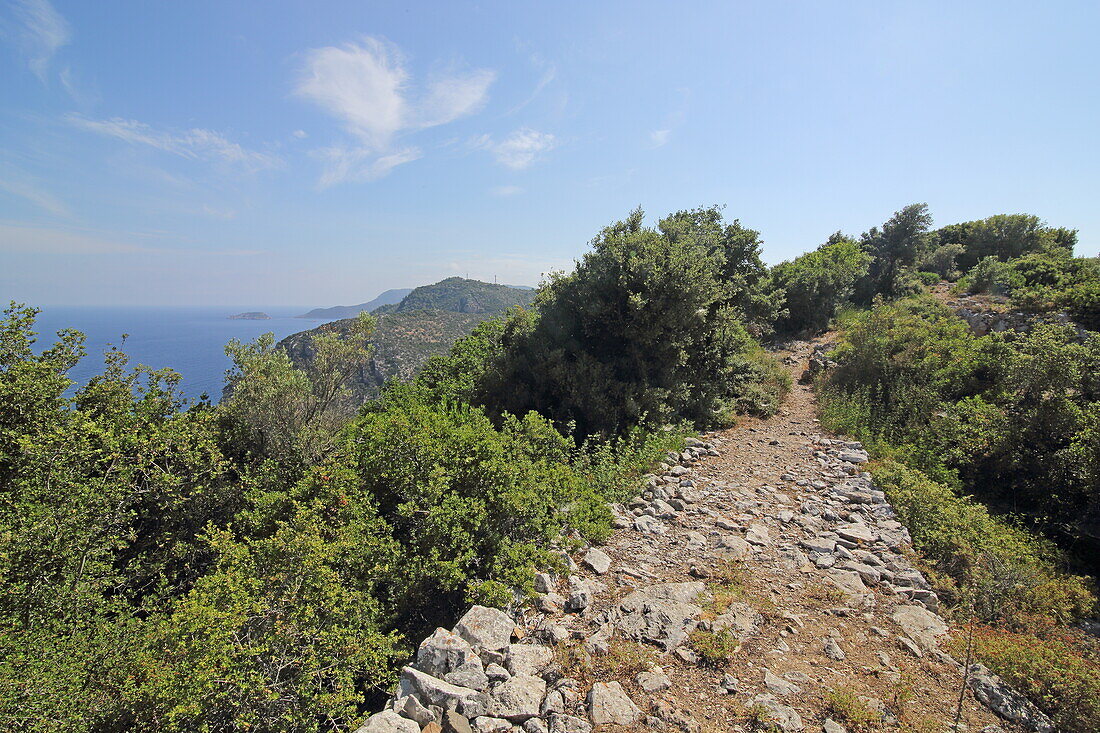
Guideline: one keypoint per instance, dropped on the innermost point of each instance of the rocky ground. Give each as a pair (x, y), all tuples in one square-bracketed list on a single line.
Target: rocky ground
[(760, 582)]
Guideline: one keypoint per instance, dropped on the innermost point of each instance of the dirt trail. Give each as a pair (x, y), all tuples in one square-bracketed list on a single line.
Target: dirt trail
[(814, 565)]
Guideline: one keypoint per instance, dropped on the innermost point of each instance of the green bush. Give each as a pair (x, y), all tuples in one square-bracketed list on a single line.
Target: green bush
[(815, 284)]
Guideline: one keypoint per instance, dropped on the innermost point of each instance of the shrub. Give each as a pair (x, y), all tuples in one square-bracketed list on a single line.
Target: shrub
[(815, 284), (715, 648)]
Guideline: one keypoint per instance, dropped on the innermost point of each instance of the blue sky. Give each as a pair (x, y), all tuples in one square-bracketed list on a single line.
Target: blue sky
[(316, 153)]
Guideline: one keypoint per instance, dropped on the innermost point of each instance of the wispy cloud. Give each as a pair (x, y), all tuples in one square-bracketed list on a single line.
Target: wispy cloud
[(194, 144), (520, 149), (22, 238), (659, 137), (29, 192), (549, 73), (506, 191), (367, 87), (38, 31)]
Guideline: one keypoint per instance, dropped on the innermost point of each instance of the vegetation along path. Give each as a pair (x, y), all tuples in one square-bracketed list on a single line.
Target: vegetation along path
[(760, 583)]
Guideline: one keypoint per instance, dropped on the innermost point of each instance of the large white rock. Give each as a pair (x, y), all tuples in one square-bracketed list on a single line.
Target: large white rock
[(920, 625), (388, 721), (528, 659), (488, 628), (598, 560), (518, 698), (608, 703), (780, 716), (434, 691), (443, 652)]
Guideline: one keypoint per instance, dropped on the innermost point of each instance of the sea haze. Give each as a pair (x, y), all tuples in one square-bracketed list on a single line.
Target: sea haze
[(190, 340)]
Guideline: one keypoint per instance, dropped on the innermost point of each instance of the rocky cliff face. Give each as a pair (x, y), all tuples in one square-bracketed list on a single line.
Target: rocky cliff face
[(759, 581)]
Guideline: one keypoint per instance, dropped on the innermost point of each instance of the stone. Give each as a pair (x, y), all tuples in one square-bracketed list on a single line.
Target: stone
[(779, 716), (488, 628), (535, 725), (920, 625), (648, 525), (1006, 702), (444, 652), (544, 583), (434, 691), (597, 560), (608, 703), (518, 698), (831, 726), (847, 582), (554, 702), (485, 724), (432, 727), (733, 547), (496, 673), (868, 574), (741, 618), (528, 659), (569, 724), (833, 650), (853, 456), (758, 534), (780, 686), (906, 644), (456, 723), (410, 707), (662, 614), (471, 674), (858, 533), (653, 680), (580, 594), (731, 684), (388, 721)]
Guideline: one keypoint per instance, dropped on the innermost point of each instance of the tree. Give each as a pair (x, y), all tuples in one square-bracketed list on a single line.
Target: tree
[(283, 412), (893, 249), (815, 284)]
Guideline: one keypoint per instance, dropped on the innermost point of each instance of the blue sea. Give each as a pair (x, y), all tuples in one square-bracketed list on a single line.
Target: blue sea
[(190, 340)]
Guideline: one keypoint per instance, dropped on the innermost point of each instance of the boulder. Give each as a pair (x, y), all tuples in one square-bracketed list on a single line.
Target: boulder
[(597, 560), (779, 686), (920, 625), (488, 628), (486, 724), (1006, 702), (443, 652), (434, 691), (569, 724), (741, 618), (608, 703), (471, 674), (779, 716), (653, 680), (388, 721), (528, 659), (662, 614), (518, 698), (410, 707)]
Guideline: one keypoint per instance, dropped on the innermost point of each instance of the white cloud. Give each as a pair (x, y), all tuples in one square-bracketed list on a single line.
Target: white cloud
[(300, 134), (39, 198), (505, 191), (38, 31), (520, 149), (194, 144), (659, 137), (361, 164), (366, 86)]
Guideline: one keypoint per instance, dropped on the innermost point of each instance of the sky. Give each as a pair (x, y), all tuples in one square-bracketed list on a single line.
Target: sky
[(317, 153)]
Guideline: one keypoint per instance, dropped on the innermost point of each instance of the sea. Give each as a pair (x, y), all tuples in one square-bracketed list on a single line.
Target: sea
[(191, 340)]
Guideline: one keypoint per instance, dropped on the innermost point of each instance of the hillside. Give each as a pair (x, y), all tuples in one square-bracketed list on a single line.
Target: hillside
[(463, 296), (337, 312), (402, 343)]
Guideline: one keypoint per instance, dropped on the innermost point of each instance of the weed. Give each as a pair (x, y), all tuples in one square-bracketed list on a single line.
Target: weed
[(715, 648), (848, 708)]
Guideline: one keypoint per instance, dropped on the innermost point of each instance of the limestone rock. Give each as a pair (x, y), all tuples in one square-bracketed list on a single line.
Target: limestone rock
[(434, 691), (518, 698), (608, 703), (779, 686), (1006, 702), (780, 716), (488, 628), (920, 625), (653, 680), (597, 560), (443, 652), (388, 721), (569, 724), (662, 614)]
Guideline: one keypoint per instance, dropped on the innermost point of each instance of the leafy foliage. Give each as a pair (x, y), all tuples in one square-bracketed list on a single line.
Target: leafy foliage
[(817, 283), (460, 295)]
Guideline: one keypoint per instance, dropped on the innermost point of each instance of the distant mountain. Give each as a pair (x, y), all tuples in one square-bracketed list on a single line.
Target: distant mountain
[(459, 295), (390, 297), (250, 316), (425, 323)]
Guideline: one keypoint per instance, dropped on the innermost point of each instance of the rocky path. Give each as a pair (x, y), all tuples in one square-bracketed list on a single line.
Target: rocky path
[(760, 582)]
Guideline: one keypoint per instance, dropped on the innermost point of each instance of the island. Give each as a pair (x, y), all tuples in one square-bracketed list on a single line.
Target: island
[(251, 316)]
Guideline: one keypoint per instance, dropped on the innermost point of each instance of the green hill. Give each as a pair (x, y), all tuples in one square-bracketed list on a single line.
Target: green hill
[(459, 295)]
